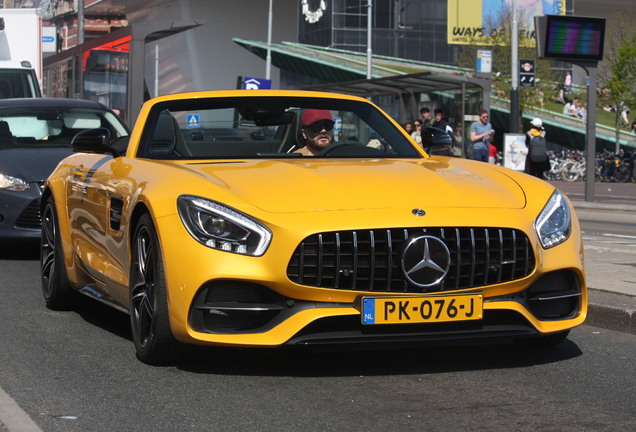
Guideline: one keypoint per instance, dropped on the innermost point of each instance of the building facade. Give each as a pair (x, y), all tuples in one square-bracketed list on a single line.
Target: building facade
[(410, 29)]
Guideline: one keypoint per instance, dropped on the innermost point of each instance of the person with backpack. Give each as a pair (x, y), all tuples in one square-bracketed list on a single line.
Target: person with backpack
[(537, 161)]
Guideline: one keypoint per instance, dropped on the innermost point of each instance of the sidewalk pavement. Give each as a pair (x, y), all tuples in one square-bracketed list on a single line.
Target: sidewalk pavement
[(611, 280)]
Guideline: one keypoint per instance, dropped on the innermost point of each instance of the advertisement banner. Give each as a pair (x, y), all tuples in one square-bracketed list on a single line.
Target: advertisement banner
[(472, 22), (515, 151)]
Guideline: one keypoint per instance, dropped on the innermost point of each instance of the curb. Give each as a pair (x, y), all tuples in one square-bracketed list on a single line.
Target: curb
[(611, 311)]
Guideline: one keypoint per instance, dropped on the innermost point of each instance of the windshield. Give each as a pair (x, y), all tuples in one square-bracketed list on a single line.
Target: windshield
[(18, 83), (51, 126), (270, 127)]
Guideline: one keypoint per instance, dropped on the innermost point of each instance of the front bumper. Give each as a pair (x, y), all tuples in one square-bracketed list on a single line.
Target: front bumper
[(221, 298), (244, 310), (20, 214)]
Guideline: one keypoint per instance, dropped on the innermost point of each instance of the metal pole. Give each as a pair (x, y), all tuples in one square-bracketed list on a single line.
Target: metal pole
[(80, 41), (514, 90), (369, 39), (590, 134), (463, 121), (80, 22), (156, 70), (268, 60)]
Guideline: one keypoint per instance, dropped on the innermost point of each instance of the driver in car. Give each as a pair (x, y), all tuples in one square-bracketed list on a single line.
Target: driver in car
[(317, 131)]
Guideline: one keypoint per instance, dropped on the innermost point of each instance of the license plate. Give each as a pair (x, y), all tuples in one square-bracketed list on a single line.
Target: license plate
[(404, 310)]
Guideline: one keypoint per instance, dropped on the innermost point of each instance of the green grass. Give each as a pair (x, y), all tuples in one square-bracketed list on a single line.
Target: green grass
[(603, 117)]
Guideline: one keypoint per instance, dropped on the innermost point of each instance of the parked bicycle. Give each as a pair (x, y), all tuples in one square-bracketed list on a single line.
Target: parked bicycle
[(613, 167), (609, 167), (556, 163), (574, 168)]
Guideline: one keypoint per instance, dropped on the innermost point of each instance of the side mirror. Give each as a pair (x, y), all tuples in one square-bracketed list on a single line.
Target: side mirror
[(436, 141), (92, 141)]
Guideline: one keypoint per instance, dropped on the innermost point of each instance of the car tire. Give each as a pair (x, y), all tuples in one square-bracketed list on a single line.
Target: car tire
[(149, 317), (58, 295)]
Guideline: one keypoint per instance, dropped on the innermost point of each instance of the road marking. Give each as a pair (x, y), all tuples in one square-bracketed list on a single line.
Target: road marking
[(619, 236), (610, 249), (13, 417)]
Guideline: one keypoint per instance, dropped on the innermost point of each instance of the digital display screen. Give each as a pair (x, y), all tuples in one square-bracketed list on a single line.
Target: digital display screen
[(574, 38)]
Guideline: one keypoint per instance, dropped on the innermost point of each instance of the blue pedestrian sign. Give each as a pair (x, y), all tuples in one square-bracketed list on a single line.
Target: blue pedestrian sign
[(193, 121), (256, 83), (337, 124)]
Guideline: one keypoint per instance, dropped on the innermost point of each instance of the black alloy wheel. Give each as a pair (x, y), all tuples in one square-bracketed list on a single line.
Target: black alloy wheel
[(55, 287), (149, 319)]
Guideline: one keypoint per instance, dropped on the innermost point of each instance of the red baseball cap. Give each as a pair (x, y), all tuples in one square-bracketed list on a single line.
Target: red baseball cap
[(311, 116)]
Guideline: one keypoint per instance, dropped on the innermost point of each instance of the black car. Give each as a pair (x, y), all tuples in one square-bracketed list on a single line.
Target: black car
[(35, 134)]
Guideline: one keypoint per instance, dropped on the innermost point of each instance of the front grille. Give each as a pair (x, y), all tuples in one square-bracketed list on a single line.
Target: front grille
[(30, 216), (370, 260)]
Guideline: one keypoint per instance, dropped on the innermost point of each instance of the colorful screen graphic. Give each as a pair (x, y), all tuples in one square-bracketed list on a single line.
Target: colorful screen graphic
[(574, 38)]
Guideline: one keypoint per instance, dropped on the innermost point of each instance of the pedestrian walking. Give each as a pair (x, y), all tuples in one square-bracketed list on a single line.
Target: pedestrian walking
[(537, 161)]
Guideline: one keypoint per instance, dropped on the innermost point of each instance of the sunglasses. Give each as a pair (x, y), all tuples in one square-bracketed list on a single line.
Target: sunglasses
[(318, 126)]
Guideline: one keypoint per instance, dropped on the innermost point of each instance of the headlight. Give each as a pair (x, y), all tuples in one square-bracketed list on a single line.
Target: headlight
[(220, 227), (13, 183), (554, 223)]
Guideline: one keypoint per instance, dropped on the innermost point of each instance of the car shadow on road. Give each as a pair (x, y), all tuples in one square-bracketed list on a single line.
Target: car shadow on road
[(28, 250), (103, 316), (304, 363)]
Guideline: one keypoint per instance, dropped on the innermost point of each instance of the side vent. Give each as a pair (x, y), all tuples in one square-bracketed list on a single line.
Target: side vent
[(116, 206)]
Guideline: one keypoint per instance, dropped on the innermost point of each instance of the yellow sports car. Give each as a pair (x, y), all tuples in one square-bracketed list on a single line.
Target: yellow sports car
[(265, 218)]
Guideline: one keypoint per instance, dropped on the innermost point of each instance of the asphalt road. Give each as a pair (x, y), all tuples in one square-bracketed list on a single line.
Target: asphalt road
[(604, 193), (76, 371)]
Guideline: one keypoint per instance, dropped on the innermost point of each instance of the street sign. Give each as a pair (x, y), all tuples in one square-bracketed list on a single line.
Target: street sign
[(337, 124), (484, 61), (256, 83), (49, 39), (193, 121), (526, 73)]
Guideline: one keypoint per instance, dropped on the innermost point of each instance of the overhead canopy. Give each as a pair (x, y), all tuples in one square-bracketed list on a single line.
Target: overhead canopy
[(422, 82), (412, 84), (345, 72)]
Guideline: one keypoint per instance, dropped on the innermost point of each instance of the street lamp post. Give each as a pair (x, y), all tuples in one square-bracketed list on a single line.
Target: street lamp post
[(369, 38), (268, 60), (514, 89), (80, 41)]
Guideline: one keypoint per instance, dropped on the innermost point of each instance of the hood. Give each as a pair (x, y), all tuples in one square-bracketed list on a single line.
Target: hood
[(301, 185), (33, 163)]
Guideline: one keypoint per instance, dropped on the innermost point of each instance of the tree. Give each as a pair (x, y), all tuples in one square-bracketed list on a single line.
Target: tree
[(617, 72), (622, 82)]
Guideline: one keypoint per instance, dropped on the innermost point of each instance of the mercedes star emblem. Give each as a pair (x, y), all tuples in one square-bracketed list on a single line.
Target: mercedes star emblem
[(425, 261)]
